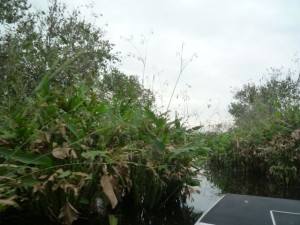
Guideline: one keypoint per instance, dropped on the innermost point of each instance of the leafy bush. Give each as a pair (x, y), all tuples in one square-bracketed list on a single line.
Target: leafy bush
[(265, 137), (75, 132)]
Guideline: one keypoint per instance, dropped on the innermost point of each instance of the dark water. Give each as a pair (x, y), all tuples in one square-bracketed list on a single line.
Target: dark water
[(213, 185), (219, 182)]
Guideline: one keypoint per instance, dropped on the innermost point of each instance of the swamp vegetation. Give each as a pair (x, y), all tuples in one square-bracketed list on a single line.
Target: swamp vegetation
[(266, 135), (80, 138)]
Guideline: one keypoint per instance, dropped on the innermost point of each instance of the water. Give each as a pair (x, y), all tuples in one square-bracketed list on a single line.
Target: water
[(209, 194), (214, 184)]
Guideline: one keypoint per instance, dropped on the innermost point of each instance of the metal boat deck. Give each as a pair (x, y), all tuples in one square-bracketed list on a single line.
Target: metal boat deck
[(234, 209)]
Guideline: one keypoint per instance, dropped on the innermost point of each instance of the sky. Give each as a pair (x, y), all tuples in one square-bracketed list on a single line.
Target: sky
[(222, 45)]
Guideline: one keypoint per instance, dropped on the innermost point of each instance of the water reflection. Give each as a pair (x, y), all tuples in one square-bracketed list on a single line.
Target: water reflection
[(209, 194), (250, 184), (172, 214)]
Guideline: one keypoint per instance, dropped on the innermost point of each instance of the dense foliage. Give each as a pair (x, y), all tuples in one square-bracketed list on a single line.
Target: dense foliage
[(266, 136), (77, 136), (12, 11)]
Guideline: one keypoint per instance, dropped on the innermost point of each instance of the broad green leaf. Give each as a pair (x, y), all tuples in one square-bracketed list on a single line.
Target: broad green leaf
[(65, 174), (100, 109), (29, 182), (93, 154), (158, 145), (26, 157), (159, 122), (113, 220)]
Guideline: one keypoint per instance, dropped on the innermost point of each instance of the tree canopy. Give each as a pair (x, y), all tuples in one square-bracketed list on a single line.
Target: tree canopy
[(44, 42), (12, 10), (278, 93)]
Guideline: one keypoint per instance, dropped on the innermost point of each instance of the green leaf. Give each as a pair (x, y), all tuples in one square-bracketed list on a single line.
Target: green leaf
[(84, 201), (78, 133), (177, 152), (28, 182), (65, 41), (158, 145), (159, 122), (113, 220), (93, 154), (65, 174), (192, 182), (100, 109), (26, 157)]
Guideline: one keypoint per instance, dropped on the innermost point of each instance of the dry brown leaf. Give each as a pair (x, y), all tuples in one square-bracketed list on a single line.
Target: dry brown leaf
[(39, 188), (9, 202), (68, 214), (9, 165), (3, 141), (62, 153), (109, 190), (117, 189), (84, 147), (47, 136), (296, 134), (42, 177), (9, 180)]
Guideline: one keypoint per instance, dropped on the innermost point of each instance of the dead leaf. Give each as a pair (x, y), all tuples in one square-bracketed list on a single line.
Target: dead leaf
[(47, 136), (68, 214), (296, 134), (9, 180), (62, 153), (84, 147), (108, 190), (9, 202), (117, 188), (3, 141)]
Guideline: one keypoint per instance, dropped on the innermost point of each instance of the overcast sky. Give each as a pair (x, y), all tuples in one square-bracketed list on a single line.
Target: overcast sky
[(234, 41)]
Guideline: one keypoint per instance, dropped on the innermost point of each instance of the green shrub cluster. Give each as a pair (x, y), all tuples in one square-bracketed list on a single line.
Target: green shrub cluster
[(265, 138), (78, 136), (61, 153)]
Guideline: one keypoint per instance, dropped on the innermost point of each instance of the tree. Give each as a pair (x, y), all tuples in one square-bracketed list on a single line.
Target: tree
[(118, 85), (277, 94), (12, 10), (71, 50), (42, 42)]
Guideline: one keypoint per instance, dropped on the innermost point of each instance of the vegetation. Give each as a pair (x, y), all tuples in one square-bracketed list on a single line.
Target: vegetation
[(265, 137), (77, 136), (12, 11)]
